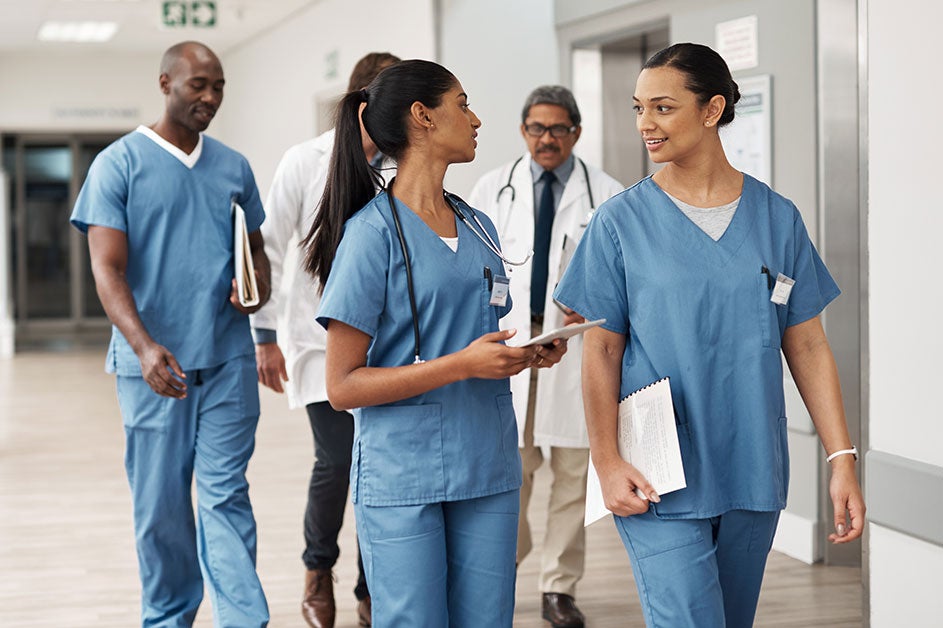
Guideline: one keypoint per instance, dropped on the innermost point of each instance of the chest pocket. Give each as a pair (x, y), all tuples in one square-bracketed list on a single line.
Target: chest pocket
[(490, 314), (768, 313), (401, 458)]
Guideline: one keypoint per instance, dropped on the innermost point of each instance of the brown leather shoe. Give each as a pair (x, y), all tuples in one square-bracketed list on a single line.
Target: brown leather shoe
[(561, 611), (364, 612), (317, 607)]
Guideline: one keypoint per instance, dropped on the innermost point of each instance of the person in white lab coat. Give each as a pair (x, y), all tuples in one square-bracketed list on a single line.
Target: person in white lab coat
[(548, 404), (293, 198)]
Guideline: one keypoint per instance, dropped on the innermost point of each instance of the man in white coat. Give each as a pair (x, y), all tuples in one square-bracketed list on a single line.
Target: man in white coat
[(542, 202), (294, 196)]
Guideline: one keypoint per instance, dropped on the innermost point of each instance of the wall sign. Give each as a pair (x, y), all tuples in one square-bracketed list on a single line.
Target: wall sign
[(196, 13), (737, 42), (748, 139)]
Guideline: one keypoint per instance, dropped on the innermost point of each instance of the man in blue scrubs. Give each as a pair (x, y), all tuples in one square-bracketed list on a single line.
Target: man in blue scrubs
[(157, 210)]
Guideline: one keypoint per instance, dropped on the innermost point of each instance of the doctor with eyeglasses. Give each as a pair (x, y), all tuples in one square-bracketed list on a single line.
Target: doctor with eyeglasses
[(542, 201)]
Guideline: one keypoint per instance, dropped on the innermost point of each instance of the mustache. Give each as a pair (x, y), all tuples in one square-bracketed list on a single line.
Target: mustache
[(548, 148)]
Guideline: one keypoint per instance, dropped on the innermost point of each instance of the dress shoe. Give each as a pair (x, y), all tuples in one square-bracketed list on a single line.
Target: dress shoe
[(317, 607), (364, 610), (561, 611)]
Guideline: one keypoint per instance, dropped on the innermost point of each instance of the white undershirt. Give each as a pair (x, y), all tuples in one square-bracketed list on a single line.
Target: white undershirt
[(452, 243), (188, 160)]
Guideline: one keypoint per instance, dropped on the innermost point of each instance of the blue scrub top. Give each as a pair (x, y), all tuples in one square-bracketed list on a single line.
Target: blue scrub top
[(179, 227), (455, 442), (699, 312)]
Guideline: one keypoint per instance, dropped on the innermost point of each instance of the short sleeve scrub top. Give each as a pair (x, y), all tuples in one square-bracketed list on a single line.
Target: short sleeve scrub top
[(452, 443), (699, 312)]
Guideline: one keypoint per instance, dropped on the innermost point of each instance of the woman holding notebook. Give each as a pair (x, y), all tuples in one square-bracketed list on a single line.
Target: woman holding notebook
[(705, 275)]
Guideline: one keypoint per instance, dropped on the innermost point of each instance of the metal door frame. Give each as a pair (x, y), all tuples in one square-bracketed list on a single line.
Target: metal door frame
[(77, 320)]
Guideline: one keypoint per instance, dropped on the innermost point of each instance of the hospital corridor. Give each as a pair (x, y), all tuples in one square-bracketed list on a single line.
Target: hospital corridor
[(244, 382)]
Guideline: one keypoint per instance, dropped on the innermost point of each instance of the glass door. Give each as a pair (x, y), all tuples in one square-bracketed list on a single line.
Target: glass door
[(54, 291)]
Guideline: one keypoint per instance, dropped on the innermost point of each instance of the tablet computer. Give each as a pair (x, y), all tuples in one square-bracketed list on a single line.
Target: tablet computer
[(562, 332)]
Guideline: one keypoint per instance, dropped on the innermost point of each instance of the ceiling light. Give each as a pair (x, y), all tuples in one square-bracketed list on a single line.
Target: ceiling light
[(82, 32)]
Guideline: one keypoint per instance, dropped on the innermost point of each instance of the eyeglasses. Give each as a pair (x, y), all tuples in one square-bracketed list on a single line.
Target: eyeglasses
[(557, 130)]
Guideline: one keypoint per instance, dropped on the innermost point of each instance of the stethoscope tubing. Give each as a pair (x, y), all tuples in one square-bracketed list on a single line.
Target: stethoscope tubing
[(490, 244), (509, 186)]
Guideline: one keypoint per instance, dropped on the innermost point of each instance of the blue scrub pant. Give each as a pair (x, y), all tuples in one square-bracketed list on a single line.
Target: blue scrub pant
[(210, 433), (699, 573), (441, 565)]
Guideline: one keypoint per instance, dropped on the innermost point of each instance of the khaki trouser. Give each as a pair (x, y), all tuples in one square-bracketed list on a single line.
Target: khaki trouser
[(563, 552)]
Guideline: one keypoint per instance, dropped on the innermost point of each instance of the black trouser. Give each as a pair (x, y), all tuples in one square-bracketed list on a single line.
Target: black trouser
[(333, 433)]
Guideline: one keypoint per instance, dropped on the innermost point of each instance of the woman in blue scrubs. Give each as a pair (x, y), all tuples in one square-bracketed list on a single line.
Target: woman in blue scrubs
[(705, 275), (414, 284)]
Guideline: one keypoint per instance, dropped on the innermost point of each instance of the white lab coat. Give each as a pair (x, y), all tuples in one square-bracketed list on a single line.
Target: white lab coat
[(558, 420), (290, 208)]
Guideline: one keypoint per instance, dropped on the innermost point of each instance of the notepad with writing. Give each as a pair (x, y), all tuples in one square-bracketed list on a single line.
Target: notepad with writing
[(647, 439), (246, 284)]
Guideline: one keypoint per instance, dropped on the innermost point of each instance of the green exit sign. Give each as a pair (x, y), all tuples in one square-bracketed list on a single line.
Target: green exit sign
[(197, 13)]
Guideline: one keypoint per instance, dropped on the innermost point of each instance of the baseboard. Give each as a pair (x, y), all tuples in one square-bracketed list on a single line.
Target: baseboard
[(797, 537)]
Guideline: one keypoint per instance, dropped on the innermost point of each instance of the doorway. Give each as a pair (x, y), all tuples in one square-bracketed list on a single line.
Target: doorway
[(604, 81), (54, 298)]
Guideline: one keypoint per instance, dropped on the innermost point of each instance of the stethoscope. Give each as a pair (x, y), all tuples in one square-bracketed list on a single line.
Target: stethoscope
[(489, 243), (510, 187)]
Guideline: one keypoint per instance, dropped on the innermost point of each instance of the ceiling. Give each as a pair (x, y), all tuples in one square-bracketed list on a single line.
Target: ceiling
[(140, 27)]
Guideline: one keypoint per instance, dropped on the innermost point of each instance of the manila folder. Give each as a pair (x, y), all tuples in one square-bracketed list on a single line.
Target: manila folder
[(246, 284)]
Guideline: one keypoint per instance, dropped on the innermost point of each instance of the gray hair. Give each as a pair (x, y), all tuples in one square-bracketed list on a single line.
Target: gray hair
[(552, 95)]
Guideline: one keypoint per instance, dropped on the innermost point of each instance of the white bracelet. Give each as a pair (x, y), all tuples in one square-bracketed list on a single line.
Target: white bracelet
[(853, 451)]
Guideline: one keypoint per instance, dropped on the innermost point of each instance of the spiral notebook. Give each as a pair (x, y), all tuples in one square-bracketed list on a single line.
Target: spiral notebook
[(648, 439)]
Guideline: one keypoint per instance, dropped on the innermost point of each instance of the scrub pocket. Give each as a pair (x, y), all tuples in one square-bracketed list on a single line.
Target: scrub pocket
[(781, 471), (489, 313), (400, 455), (141, 407), (768, 313)]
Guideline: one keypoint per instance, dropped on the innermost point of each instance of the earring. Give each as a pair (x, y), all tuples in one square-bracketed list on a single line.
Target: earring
[(708, 123)]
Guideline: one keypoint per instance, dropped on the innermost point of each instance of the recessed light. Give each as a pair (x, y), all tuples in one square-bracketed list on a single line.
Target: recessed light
[(81, 32)]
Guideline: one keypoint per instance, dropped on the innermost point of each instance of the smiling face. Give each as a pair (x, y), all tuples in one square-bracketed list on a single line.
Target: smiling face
[(456, 125), (672, 122), (194, 89), (547, 150)]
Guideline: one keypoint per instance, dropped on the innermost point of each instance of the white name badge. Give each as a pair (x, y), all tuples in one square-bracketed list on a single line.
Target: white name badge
[(782, 290), (499, 291)]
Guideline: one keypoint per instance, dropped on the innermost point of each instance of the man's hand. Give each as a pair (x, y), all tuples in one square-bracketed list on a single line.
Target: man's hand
[(271, 366), (162, 372)]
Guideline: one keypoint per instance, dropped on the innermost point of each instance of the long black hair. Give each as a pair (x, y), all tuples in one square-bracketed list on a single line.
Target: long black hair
[(706, 74), (351, 182)]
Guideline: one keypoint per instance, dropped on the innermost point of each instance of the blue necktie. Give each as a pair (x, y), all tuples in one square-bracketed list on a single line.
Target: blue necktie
[(542, 229)]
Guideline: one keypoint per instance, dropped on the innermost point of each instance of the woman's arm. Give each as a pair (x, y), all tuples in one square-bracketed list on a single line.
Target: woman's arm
[(352, 384), (813, 368), (602, 374)]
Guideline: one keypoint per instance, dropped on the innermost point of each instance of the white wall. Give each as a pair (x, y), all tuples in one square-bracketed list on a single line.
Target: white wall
[(906, 220), (905, 580), (500, 51), (274, 80), (905, 223), (87, 91)]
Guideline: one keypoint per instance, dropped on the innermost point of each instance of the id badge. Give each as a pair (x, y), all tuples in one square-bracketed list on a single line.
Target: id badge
[(499, 291), (782, 290)]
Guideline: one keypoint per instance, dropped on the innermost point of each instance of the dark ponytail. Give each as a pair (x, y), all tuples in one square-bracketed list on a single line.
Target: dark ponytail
[(351, 183), (706, 74)]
